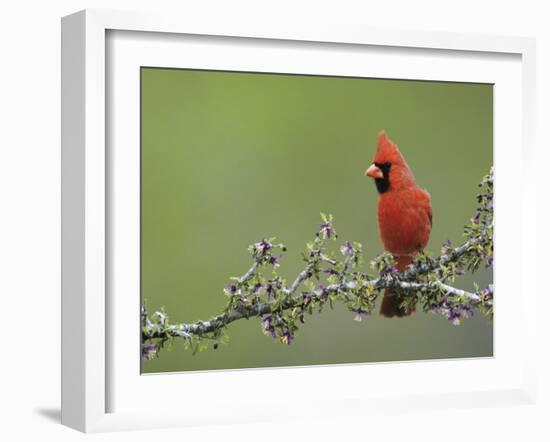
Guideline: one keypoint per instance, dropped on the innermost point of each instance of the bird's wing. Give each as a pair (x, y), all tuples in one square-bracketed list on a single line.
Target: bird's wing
[(424, 201)]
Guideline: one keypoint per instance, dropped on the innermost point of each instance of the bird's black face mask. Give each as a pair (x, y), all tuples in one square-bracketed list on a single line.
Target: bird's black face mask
[(383, 184)]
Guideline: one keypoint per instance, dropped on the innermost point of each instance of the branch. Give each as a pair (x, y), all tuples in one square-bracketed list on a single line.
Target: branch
[(326, 279)]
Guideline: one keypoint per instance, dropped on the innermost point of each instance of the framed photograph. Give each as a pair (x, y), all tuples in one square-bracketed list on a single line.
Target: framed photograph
[(291, 217)]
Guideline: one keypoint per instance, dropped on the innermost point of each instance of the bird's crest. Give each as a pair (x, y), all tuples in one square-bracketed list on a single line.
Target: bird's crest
[(387, 151)]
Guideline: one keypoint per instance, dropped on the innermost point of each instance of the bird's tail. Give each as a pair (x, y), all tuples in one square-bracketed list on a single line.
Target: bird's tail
[(391, 302)]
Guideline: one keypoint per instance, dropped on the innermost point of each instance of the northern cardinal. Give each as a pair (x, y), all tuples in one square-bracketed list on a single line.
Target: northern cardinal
[(404, 214)]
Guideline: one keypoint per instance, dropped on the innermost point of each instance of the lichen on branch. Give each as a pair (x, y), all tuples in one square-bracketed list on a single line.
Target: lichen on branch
[(334, 275)]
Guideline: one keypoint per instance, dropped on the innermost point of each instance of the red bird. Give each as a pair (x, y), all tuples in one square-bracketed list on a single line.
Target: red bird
[(404, 213)]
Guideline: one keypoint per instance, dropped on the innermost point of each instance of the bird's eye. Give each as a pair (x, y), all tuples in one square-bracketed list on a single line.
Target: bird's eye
[(384, 167)]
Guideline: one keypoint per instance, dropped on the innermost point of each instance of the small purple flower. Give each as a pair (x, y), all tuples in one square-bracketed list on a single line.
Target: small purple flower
[(347, 249), (275, 260), (230, 289), (267, 327), (330, 271), (321, 292), (446, 247), (148, 351), (456, 313), (261, 247), (257, 288), (326, 230), (388, 270), (487, 292), (454, 317), (359, 314), (287, 338), (307, 298)]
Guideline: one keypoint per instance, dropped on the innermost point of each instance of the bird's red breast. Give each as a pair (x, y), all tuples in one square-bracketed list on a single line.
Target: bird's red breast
[(404, 220)]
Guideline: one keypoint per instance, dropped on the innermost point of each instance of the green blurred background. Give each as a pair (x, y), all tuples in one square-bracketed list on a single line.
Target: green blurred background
[(229, 158)]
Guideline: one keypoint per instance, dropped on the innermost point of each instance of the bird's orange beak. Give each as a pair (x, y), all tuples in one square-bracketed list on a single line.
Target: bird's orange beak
[(374, 172)]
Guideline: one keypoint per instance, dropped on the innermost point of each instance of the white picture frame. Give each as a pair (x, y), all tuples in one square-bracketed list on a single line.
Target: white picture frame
[(89, 364)]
